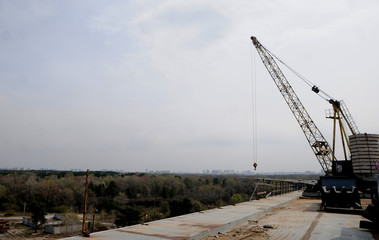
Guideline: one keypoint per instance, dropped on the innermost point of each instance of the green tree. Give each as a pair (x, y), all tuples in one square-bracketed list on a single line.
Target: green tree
[(189, 183), (198, 206), (131, 193), (112, 190), (164, 193), (99, 190), (3, 191), (236, 198), (209, 194), (127, 216), (180, 207), (108, 205), (216, 181), (38, 213)]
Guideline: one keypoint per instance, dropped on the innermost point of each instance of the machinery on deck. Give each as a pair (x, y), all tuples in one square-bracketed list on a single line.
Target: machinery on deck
[(344, 179)]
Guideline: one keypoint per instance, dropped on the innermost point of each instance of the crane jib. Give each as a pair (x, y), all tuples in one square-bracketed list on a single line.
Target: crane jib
[(316, 140)]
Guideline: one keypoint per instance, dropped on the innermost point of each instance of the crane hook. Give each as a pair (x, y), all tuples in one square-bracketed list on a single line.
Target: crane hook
[(255, 166)]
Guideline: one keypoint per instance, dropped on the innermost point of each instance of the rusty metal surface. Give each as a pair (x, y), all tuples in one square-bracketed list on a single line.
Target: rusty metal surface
[(197, 225)]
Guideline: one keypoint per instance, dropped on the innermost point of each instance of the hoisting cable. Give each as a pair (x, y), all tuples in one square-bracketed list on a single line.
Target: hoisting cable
[(309, 83), (254, 107), (336, 103)]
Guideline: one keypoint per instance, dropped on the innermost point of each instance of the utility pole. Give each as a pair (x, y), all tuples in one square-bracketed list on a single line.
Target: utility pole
[(84, 233)]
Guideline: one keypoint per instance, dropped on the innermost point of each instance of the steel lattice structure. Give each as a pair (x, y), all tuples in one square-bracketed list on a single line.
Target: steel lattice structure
[(316, 140)]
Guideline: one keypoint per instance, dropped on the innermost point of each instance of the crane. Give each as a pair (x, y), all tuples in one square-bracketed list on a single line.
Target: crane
[(317, 142), (344, 180)]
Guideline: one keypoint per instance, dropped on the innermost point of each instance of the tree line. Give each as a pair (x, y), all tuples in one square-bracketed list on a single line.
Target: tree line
[(126, 196)]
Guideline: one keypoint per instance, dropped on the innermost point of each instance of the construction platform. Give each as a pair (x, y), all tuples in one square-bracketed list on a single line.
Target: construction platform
[(287, 217)]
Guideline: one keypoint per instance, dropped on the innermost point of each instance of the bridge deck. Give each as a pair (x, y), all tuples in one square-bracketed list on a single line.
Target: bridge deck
[(200, 224)]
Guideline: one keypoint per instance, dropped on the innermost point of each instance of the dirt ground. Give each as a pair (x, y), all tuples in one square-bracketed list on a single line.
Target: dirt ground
[(250, 231), (253, 230)]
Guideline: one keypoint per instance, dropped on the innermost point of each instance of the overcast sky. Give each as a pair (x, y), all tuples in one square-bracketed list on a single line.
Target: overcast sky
[(167, 85)]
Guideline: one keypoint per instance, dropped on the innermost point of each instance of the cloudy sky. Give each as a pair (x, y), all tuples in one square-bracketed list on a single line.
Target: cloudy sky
[(167, 84)]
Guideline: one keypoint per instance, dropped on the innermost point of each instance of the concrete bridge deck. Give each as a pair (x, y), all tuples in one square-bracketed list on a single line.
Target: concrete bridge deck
[(200, 224), (290, 218)]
